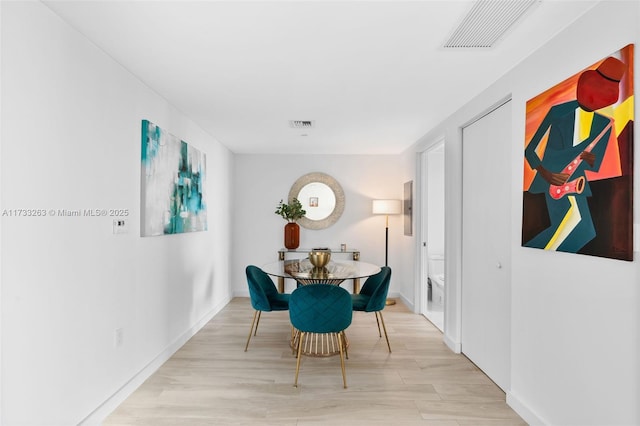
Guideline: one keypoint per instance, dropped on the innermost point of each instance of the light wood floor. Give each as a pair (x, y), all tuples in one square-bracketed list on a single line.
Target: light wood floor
[(212, 381)]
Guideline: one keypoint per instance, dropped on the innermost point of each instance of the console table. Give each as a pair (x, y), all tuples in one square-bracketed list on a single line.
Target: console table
[(355, 255)]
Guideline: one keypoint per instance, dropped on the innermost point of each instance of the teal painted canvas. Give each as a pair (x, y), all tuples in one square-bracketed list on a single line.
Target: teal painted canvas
[(173, 196)]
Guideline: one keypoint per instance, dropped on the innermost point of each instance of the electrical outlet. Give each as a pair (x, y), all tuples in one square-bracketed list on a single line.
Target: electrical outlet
[(118, 337)]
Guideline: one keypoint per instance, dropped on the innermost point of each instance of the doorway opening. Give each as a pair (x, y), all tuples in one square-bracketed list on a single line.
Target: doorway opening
[(433, 221)]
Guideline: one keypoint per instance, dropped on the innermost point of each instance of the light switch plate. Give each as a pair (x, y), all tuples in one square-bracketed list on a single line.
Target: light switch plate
[(120, 226)]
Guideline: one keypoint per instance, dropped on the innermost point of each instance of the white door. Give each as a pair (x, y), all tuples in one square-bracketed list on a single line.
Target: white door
[(486, 319)]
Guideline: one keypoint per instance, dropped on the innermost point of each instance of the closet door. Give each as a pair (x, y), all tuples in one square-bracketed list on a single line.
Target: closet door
[(486, 204)]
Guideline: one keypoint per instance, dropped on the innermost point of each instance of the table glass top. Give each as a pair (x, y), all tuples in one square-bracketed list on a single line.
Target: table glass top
[(335, 270), (307, 250)]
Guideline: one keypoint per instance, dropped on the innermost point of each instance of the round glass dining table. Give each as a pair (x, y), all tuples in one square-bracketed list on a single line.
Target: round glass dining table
[(301, 270), (335, 272)]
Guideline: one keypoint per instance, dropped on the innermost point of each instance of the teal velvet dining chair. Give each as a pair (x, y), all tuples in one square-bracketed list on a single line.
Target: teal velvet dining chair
[(264, 297), (321, 308), (373, 297)]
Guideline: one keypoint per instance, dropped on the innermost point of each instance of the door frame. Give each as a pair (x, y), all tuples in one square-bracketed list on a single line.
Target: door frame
[(452, 136), (423, 264), (422, 268)]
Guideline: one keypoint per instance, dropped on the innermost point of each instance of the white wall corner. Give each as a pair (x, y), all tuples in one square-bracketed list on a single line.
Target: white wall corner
[(406, 301), (455, 346), (524, 411), (98, 416)]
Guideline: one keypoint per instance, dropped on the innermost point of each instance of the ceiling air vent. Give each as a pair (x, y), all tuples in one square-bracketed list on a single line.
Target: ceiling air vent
[(302, 124), (486, 22)]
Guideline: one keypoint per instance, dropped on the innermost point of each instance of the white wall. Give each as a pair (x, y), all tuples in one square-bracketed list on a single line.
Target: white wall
[(436, 216), (575, 320), (261, 181), (71, 130), (410, 265)]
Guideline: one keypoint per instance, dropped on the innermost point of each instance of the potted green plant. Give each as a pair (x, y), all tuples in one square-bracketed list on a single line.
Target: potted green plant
[(291, 213)]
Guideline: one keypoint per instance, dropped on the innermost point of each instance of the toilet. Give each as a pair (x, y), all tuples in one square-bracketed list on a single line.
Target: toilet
[(436, 276)]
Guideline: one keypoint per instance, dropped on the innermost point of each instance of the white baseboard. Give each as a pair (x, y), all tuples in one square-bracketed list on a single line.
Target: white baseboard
[(101, 412), (524, 411), (242, 293), (408, 303), (456, 347)]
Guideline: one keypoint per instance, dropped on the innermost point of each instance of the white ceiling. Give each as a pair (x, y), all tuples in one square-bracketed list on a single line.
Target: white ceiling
[(371, 74)]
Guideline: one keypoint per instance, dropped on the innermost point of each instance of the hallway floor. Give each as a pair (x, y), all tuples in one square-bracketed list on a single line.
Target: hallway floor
[(212, 381)]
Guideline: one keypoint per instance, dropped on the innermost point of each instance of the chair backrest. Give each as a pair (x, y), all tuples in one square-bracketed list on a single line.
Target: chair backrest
[(261, 287), (377, 288), (320, 308)]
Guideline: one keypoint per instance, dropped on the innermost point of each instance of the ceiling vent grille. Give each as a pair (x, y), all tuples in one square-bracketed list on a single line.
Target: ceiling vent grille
[(302, 124), (486, 22)]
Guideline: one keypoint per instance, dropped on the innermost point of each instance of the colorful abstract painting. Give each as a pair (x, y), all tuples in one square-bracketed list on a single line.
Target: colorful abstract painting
[(578, 162), (173, 184)]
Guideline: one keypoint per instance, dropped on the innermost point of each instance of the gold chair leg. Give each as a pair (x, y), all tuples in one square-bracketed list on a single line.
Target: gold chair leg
[(295, 340), (344, 344), (385, 331), (257, 323), (295, 383), (344, 375), (378, 322), (251, 330)]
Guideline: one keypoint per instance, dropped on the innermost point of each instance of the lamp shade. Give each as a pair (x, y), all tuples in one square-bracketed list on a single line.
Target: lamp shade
[(387, 207)]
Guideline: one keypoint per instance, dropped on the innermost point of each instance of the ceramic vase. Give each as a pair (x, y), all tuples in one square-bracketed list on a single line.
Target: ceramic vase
[(292, 235)]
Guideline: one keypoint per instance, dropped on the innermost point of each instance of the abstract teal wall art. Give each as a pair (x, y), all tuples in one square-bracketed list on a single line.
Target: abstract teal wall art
[(173, 177)]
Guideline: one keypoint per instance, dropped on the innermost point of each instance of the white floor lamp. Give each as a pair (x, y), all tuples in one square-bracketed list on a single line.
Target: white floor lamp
[(387, 207)]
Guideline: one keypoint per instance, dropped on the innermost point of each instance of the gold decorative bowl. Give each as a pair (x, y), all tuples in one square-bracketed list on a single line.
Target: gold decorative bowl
[(319, 258)]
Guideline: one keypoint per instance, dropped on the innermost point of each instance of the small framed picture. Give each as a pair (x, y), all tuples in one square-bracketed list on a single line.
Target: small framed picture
[(407, 208)]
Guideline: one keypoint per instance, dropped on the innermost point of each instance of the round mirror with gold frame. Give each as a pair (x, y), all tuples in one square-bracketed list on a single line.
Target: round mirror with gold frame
[(321, 196)]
